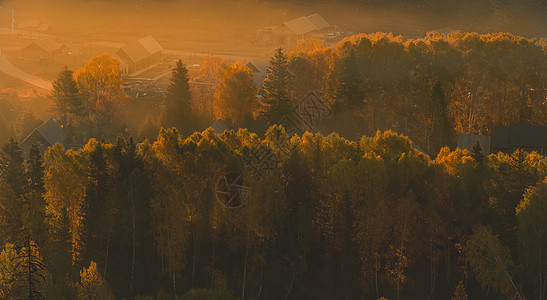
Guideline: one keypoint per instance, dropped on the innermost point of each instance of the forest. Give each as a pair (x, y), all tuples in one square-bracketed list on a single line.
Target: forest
[(343, 205)]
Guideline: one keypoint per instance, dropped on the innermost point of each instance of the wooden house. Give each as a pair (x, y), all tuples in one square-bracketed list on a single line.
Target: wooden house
[(42, 51), (45, 136), (139, 55)]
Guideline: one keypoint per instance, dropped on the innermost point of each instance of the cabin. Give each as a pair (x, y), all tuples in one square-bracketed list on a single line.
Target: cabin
[(139, 55), (290, 32), (42, 51), (466, 142), (45, 136), (259, 67), (527, 137)]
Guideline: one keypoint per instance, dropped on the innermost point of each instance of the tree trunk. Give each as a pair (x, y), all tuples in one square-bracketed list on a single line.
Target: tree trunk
[(174, 285), (245, 265), (133, 254), (432, 269), (376, 278), (106, 258), (293, 275), (195, 250), (261, 282)]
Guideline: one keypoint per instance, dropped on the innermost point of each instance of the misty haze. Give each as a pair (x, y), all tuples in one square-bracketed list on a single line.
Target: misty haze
[(260, 149)]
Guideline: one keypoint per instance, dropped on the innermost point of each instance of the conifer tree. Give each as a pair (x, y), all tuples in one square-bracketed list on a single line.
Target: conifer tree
[(12, 170), (66, 98), (477, 153), (275, 97), (35, 170), (30, 277), (177, 109), (350, 91)]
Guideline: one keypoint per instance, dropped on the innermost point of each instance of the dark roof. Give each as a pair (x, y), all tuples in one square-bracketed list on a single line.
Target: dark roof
[(466, 141), (51, 132), (519, 136)]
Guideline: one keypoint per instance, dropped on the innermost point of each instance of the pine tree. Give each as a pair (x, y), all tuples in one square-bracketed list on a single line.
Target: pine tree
[(12, 170), (35, 170), (349, 91), (95, 202), (441, 130), (477, 153), (275, 97), (177, 109), (30, 277), (66, 98)]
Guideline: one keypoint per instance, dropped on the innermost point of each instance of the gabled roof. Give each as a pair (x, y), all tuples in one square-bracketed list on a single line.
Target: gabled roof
[(51, 132), (307, 24), (519, 136), (259, 65), (133, 52), (150, 44), (318, 21), (46, 44), (300, 26), (139, 50)]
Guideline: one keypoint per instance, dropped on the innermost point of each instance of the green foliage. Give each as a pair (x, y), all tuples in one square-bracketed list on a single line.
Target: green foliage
[(177, 110), (532, 217), (12, 169), (490, 260), (375, 218), (66, 99), (276, 101)]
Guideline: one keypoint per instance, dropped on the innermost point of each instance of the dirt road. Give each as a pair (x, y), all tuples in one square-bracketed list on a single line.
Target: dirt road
[(8, 68)]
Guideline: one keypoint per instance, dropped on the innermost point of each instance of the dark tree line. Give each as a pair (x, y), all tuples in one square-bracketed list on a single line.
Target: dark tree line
[(333, 219)]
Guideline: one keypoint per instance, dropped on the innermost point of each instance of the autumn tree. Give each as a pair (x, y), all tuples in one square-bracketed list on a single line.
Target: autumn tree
[(276, 102), (206, 81), (532, 217), (92, 286), (31, 272), (65, 182), (490, 261), (235, 98), (8, 270), (100, 83)]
